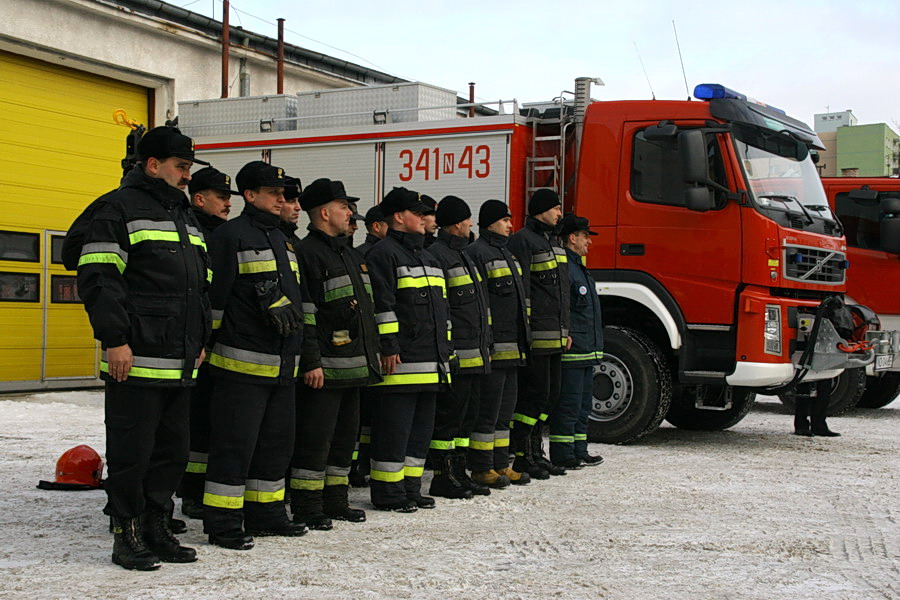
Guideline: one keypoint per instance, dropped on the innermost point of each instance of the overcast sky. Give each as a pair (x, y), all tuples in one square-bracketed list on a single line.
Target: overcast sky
[(804, 57)]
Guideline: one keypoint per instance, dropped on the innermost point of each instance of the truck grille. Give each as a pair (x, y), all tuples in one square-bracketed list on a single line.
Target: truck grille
[(814, 265)]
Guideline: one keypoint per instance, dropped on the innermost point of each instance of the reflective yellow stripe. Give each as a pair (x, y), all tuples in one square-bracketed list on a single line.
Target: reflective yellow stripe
[(524, 419), (544, 266), (223, 501), (501, 442), (365, 438), (461, 442), (385, 328), (501, 272), (505, 355), (240, 366), (307, 484), (562, 439), (195, 467), (413, 471), (386, 476), (457, 281), (337, 480), (197, 241), (260, 266), (471, 362), (98, 258), (260, 496), (209, 276), (145, 235), (409, 379), (441, 445), (476, 445), (148, 373), (546, 344)]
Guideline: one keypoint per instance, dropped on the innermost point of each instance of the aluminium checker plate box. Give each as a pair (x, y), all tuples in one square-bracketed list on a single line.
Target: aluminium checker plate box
[(242, 114)]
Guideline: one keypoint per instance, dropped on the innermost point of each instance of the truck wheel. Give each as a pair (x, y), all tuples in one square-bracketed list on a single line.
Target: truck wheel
[(846, 391), (685, 415), (632, 388), (880, 391)]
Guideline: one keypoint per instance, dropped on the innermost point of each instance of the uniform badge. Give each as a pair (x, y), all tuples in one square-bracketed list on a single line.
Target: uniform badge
[(583, 290), (364, 268), (289, 246)]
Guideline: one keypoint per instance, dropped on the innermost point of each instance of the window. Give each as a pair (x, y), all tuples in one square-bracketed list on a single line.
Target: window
[(860, 220), (64, 289), (56, 244), (656, 173), (15, 245), (19, 287)]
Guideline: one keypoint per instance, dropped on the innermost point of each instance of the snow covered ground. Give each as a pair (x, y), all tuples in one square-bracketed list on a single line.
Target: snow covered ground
[(752, 512)]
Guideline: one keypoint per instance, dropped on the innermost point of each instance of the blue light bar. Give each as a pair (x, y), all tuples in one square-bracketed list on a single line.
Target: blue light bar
[(710, 91)]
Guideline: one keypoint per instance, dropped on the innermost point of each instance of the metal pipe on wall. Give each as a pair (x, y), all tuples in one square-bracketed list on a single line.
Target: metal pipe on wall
[(280, 89), (226, 43), (471, 99)]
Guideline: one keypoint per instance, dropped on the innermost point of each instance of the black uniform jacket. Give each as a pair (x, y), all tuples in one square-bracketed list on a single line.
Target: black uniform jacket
[(411, 311), (546, 277), (469, 312), (339, 333), (367, 245), (587, 324), (208, 223), (247, 252), (143, 276), (506, 296)]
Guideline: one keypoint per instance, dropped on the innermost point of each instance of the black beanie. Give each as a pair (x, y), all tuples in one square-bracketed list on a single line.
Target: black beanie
[(452, 210), (491, 212), (543, 200)]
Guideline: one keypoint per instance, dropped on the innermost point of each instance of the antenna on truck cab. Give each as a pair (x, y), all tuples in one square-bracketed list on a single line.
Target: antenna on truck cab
[(645, 70), (677, 45)]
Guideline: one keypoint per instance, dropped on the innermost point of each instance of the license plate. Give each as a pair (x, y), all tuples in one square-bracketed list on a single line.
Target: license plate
[(884, 362)]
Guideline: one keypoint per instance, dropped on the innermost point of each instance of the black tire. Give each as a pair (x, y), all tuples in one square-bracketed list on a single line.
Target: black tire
[(684, 414), (880, 391), (847, 389), (632, 388)]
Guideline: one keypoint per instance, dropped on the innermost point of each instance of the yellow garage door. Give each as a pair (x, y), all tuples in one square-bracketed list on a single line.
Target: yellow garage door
[(59, 149)]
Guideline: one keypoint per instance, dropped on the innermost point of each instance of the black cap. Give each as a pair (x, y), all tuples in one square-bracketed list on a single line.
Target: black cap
[(429, 203), (543, 200), (322, 191), (209, 178), (400, 199), (491, 212), (257, 174), (571, 223), (355, 216), (165, 142), (292, 188), (374, 215), (452, 210)]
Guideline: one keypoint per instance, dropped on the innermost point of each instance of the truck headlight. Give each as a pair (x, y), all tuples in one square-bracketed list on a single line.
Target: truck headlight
[(772, 331)]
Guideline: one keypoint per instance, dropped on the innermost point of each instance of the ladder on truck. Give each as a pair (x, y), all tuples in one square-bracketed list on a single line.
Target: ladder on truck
[(546, 163)]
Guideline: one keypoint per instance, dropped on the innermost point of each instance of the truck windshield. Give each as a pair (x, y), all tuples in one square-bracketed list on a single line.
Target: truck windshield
[(783, 187)]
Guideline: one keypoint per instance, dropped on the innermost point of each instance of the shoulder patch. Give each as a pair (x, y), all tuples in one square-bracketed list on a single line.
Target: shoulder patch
[(364, 268), (583, 290)]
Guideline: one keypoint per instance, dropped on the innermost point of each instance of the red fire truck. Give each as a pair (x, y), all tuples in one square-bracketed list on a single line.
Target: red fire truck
[(714, 259)]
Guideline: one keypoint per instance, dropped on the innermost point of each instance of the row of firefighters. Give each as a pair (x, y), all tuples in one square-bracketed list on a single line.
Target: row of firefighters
[(245, 366)]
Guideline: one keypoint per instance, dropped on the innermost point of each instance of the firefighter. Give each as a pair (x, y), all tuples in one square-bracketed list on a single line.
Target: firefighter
[(546, 281), (290, 210), (431, 225), (811, 408), (489, 442), (210, 192), (254, 360), (457, 407), (355, 219), (143, 275), (376, 229), (569, 420), (412, 317), (339, 356)]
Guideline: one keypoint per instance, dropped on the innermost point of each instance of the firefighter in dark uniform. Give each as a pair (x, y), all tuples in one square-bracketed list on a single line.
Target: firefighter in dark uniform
[(489, 442), (546, 280), (339, 356), (469, 318), (254, 361), (210, 192), (290, 210), (430, 217), (376, 229), (355, 220), (569, 420), (413, 318), (143, 275)]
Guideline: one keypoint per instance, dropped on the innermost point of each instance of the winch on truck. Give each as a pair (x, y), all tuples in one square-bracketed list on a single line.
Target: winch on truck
[(716, 278)]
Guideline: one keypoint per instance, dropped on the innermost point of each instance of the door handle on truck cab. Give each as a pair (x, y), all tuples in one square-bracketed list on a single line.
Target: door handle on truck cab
[(631, 249)]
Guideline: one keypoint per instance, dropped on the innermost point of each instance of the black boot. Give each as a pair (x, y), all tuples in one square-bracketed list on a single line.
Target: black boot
[(537, 451), (819, 410), (802, 406), (191, 508), (306, 506), (357, 478), (444, 483), (591, 460), (162, 541), (129, 549), (458, 464), (524, 463), (336, 505)]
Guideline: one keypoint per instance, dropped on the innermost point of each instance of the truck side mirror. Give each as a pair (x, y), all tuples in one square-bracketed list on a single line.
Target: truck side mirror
[(890, 224), (699, 198), (665, 130), (863, 194), (694, 163)]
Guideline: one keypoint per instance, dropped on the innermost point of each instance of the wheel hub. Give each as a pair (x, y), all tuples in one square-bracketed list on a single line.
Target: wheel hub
[(613, 389)]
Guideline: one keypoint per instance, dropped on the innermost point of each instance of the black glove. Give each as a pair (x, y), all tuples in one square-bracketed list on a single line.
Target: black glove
[(282, 313)]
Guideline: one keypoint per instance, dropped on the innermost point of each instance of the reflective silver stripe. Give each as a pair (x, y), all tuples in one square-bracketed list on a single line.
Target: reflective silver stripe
[(410, 272), (528, 302), (366, 278), (558, 251), (497, 264), (389, 467), (140, 224), (307, 474), (217, 315), (257, 358), (506, 347), (434, 272), (198, 457), (350, 362), (469, 353), (309, 308), (96, 247), (415, 367), (247, 256), (412, 461), (481, 437), (194, 231), (336, 282), (542, 256), (291, 256), (565, 333), (546, 335), (337, 471), (261, 485), (220, 489), (151, 362), (386, 317), (457, 272)]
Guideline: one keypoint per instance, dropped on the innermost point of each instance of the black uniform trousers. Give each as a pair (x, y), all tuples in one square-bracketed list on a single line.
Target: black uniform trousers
[(455, 412), (363, 451), (146, 446), (195, 473), (811, 410), (489, 440), (539, 385), (251, 440), (568, 421), (327, 425), (402, 424)]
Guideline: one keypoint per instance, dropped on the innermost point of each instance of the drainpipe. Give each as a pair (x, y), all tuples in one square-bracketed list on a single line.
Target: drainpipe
[(471, 98), (225, 46), (280, 56)]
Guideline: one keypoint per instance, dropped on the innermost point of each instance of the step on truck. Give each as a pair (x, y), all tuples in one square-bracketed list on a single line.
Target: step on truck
[(717, 279)]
